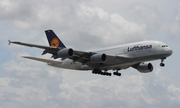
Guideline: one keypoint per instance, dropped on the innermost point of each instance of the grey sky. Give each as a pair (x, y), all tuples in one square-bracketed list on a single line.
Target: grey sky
[(84, 25)]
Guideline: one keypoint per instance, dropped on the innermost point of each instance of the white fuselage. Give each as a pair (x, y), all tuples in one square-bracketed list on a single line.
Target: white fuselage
[(136, 53)]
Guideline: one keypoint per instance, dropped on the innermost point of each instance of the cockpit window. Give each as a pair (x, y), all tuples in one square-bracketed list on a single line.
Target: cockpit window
[(164, 46)]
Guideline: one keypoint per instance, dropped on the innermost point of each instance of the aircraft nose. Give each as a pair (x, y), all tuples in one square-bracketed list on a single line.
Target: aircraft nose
[(169, 51)]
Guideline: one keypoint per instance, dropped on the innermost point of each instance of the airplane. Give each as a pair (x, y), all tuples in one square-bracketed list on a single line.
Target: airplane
[(136, 55)]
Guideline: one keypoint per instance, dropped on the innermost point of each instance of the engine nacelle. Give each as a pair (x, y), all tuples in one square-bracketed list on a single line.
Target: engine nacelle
[(144, 67), (64, 53), (98, 58)]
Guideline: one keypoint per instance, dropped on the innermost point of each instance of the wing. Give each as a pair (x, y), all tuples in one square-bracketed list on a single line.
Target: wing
[(42, 59), (48, 49)]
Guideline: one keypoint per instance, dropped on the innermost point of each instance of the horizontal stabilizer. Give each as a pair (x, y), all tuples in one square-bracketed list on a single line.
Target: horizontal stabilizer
[(42, 60)]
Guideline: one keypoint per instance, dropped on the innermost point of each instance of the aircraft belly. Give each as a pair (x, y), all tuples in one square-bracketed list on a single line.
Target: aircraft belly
[(69, 64), (117, 65), (132, 61), (148, 58)]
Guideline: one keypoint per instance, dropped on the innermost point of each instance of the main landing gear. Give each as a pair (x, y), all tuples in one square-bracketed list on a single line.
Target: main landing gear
[(98, 71), (162, 64), (117, 73)]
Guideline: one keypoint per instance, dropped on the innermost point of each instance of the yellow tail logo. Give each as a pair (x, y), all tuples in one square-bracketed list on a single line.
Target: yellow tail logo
[(55, 42)]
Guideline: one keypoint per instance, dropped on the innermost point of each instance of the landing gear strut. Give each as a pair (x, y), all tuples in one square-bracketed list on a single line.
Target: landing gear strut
[(117, 73), (162, 64)]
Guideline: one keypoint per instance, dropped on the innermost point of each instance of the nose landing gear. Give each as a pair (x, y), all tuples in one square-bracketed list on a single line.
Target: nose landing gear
[(162, 64)]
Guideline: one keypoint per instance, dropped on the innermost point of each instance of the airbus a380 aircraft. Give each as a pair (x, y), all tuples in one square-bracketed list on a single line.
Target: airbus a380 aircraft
[(112, 58)]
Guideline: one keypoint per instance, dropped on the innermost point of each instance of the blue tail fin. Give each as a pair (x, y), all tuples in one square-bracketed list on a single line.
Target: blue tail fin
[(53, 39)]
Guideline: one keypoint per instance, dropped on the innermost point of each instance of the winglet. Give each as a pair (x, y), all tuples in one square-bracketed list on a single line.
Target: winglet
[(9, 42)]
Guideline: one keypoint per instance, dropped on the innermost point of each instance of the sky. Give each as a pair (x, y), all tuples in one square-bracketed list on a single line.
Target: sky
[(86, 25)]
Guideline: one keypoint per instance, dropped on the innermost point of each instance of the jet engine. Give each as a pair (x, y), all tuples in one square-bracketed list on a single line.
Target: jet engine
[(65, 53), (144, 67), (98, 58)]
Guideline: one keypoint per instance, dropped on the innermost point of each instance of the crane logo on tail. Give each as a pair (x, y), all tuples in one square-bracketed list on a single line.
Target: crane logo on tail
[(55, 42)]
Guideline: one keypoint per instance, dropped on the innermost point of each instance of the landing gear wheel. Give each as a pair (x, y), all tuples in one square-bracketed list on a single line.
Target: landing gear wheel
[(117, 73), (98, 71), (107, 73), (162, 64)]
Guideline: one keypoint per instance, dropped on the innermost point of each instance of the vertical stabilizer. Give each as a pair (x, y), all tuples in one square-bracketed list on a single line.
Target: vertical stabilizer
[(53, 39)]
